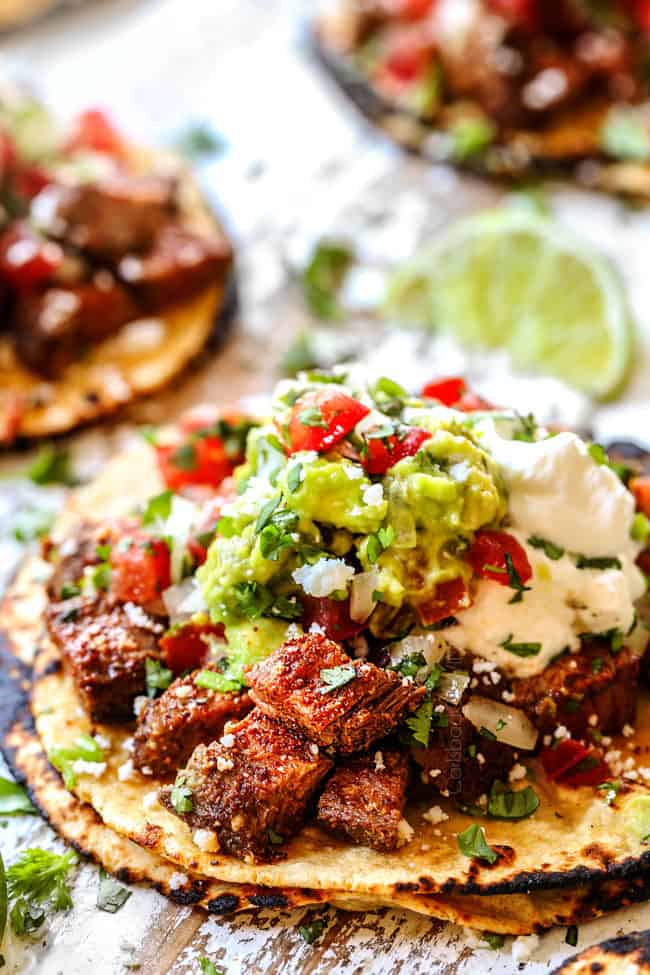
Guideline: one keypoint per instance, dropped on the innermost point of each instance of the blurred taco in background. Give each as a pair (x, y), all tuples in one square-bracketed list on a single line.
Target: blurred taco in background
[(113, 273), (505, 86)]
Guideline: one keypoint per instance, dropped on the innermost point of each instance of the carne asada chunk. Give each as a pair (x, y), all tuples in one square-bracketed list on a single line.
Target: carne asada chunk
[(252, 787), (115, 215), (364, 799), (459, 760), (74, 554), (311, 685), (186, 715), (104, 648), (178, 264), (578, 686), (51, 328)]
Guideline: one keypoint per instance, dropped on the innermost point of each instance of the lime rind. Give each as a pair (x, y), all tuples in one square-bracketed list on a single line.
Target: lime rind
[(515, 279)]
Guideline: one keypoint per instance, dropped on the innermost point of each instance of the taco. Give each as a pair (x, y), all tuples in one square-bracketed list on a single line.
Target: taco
[(627, 955), (508, 88), (113, 273), (378, 645)]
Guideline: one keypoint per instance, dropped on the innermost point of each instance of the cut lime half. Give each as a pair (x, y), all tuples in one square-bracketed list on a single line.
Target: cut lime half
[(516, 280)]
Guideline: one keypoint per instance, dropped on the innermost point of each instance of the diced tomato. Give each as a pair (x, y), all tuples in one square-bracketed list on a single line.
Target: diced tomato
[(140, 569), (93, 129), (447, 391), (487, 556), (185, 647), (471, 402), (30, 180), (321, 418), (409, 9), (26, 259), (8, 155), (382, 454), (13, 408), (332, 615), (563, 764), (640, 488), (406, 59), (449, 598), (197, 460), (522, 12)]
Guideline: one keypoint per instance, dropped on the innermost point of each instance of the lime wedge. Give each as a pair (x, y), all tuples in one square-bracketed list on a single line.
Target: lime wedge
[(514, 279)]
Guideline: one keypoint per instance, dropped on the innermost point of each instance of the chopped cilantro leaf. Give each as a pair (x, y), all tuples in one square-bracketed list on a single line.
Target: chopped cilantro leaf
[(527, 431), (52, 465), (275, 838), (423, 720), (13, 799), (264, 516), (182, 795), (495, 941), (36, 882), (32, 523), (311, 932), (504, 803), (514, 581), (312, 417), (434, 678), (597, 665), (158, 508), (199, 140), (69, 590), (472, 843), (611, 790), (158, 678), (640, 530), (409, 666), (207, 967), (294, 478), (521, 649), (211, 680), (85, 749), (582, 562), (572, 935), (324, 275), (550, 550), (334, 677), (184, 457), (111, 895)]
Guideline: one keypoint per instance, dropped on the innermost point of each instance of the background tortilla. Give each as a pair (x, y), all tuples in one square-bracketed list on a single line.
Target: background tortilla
[(571, 138), (627, 955), (139, 359)]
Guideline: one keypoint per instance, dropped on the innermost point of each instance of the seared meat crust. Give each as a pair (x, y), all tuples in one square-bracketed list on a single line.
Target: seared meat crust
[(365, 797), (594, 681), (170, 728), (461, 762), (80, 550), (122, 212), (253, 787), (178, 264), (288, 687), (105, 652)]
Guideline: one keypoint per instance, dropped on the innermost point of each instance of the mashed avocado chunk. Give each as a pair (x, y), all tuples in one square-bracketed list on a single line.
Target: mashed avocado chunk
[(326, 499)]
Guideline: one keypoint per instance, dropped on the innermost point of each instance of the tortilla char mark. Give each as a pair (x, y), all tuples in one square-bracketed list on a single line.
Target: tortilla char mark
[(367, 705), (186, 715), (252, 787), (633, 948), (364, 799)]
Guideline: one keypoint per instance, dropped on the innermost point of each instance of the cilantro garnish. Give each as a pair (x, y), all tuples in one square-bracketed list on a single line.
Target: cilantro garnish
[(182, 795), (434, 678), (582, 562), (572, 936), (312, 932), (158, 508), (207, 967), (276, 839), (514, 581), (13, 799), (640, 530), (158, 678), (85, 749), (504, 803), (389, 396), (294, 478), (32, 523), (409, 666), (199, 140), (36, 883), (550, 550), (495, 941), (376, 544), (111, 895), (69, 590), (52, 465), (184, 457), (312, 416), (472, 843), (101, 576), (611, 790), (424, 719), (527, 431), (334, 677), (521, 649), (324, 275), (486, 733), (264, 516), (213, 681)]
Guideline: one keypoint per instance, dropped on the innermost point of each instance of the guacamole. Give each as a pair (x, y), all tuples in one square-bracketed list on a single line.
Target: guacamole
[(363, 497)]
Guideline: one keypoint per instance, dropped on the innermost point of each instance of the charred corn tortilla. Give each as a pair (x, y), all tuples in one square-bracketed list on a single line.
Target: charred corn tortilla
[(627, 955), (575, 840), (570, 138), (142, 357), (80, 826)]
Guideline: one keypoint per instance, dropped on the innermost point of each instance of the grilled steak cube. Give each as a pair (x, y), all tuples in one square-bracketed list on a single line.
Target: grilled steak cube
[(113, 216), (348, 709), (459, 761), (577, 686), (170, 728), (364, 799), (253, 787), (177, 265), (104, 648), (74, 554), (52, 327)]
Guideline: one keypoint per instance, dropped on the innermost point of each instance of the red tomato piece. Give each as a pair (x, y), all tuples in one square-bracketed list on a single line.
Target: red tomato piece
[(447, 391), (406, 59), (332, 615), (8, 155), (384, 453), (562, 764), (643, 15), (185, 647), (140, 570), (321, 418), (26, 259), (93, 129), (470, 402), (449, 598), (522, 12), (30, 180), (640, 488), (200, 460), (487, 556)]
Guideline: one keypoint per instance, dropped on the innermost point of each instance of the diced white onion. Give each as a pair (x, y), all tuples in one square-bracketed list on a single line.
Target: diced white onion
[(183, 600), (508, 725), (452, 686), (432, 646), (361, 601)]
